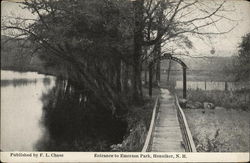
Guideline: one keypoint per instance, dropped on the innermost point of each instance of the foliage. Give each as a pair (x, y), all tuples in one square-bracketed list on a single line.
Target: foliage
[(227, 99), (85, 40), (77, 124), (102, 44), (138, 119), (211, 144), (243, 60), (15, 53)]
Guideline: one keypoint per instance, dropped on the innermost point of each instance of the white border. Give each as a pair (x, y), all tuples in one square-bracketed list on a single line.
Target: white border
[(118, 157)]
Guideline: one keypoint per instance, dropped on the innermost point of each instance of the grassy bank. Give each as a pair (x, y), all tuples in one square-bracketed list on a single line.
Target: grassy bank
[(200, 75), (220, 129), (223, 130), (138, 119)]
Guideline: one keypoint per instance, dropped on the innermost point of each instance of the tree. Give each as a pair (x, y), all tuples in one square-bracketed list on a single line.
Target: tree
[(15, 54), (101, 43), (243, 60), (173, 21), (88, 41)]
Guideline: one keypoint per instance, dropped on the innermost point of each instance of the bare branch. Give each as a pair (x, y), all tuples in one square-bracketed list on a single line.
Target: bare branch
[(205, 17)]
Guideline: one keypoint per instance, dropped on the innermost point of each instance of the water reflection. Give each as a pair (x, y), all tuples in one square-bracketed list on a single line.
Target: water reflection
[(13, 75), (75, 121), (17, 82), (39, 113), (21, 110), (13, 78), (46, 81)]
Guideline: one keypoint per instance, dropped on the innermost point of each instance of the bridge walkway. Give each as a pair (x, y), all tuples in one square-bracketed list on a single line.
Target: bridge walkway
[(167, 135)]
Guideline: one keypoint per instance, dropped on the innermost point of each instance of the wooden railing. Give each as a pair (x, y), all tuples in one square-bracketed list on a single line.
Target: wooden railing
[(186, 134), (148, 140)]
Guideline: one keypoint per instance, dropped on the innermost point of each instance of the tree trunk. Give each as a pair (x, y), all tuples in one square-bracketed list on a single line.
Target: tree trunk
[(118, 76), (158, 50), (140, 82), (150, 81), (169, 69), (136, 81), (184, 83), (125, 78), (158, 63), (146, 76), (138, 38), (158, 71), (153, 70)]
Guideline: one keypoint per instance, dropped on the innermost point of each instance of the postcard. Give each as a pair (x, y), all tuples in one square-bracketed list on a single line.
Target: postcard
[(125, 80)]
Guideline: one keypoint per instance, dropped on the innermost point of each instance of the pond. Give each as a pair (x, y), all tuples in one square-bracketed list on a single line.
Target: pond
[(21, 109), (43, 113)]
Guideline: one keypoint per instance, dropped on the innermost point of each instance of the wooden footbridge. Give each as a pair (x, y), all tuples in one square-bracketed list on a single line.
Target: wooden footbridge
[(169, 131)]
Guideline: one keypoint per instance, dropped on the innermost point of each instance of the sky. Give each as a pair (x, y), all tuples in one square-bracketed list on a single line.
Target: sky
[(224, 45), (227, 44)]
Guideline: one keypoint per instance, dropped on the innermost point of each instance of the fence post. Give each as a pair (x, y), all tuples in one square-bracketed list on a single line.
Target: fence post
[(205, 85)]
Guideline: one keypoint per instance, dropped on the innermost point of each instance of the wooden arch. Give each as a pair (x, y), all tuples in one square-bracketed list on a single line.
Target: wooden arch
[(184, 67)]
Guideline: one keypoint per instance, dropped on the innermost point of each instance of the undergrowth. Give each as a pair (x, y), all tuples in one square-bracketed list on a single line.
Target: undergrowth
[(226, 99)]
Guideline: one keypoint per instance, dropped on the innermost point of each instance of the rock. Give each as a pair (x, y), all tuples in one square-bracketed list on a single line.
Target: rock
[(183, 102), (219, 107), (198, 105), (116, 147), (190, 106), (194, 105), (208, 105)]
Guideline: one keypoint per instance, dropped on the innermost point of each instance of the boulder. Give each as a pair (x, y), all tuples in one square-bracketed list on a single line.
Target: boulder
[(218, 108), (190, 105), (182, 102), (116, 147), (194, 105), (208, 105), (198, 105)]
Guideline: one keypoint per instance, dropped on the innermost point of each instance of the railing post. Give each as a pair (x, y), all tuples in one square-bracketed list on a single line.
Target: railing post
[(186, 133), (151, 127)]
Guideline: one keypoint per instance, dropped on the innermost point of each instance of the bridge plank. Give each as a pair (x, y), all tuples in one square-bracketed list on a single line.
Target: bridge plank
[(167, 134)]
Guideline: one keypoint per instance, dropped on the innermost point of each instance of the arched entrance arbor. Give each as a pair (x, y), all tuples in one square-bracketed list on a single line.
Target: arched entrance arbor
[(170, 57)]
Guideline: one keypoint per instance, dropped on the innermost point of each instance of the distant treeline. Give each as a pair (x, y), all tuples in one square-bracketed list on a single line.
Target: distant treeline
[(205, 64), (17, 55)]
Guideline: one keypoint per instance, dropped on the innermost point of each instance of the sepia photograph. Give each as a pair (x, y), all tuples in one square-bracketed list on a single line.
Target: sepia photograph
[(125, 76)]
